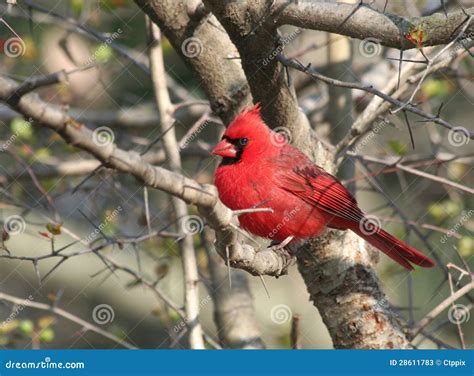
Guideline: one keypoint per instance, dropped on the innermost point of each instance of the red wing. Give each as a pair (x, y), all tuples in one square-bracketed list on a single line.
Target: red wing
[(299, 176)]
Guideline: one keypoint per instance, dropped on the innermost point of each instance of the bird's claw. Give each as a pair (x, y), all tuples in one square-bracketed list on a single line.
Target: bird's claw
[(275, 246), (285, 252)]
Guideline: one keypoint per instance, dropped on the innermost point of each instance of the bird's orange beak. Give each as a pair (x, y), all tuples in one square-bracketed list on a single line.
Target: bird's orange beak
[(225, 149)]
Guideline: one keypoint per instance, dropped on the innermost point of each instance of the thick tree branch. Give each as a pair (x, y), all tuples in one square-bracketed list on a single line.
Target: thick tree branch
[(205, 197), (253, 30), (197, 37), (234, 311), (78, 167), (140, 116), (342, 284), (389, 29)]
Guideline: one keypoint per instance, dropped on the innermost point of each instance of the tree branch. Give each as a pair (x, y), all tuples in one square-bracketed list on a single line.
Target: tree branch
[(369, 89), (388, 29), (252, 29), (170, 145), (205, 197), (197, 38), (234, 311), (68, 316)]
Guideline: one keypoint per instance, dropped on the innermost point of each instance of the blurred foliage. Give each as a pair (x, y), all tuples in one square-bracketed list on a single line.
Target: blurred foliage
[(397, 147), (40, 330), (437, 88), (22, 129), (122, 84), (466, 246), (443, 210)]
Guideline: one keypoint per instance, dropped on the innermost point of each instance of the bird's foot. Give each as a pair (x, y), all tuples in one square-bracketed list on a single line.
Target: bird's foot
[(285, 251), (275, 246)]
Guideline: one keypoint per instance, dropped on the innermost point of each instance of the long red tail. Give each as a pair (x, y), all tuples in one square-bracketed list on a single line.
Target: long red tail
[(395, 248)]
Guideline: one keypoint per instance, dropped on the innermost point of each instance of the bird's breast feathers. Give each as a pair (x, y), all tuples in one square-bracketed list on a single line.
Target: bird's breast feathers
[(255, 187)]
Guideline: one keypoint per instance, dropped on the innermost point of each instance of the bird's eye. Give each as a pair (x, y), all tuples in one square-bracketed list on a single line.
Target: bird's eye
[(244, 141)]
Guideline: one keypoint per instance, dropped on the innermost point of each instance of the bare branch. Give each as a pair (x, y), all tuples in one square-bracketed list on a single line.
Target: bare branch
[(68, 316), (440, 308), (218, 216), (234, 311), (369, 89), (170, 145), (204, 47), (389, 29)]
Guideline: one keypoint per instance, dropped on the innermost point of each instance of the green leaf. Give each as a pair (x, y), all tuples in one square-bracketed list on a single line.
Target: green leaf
[(397, 147), (466, 246), (42, 154), (103, 53), (76, 6), (110, 5), (436, 88), (436, 211), (46, 335), (440, 211), (174, 316), (21, 129), (8, 326), (26, 327)]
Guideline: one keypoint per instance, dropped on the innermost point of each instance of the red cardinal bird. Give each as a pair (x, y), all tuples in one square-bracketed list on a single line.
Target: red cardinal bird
[(261, 170)]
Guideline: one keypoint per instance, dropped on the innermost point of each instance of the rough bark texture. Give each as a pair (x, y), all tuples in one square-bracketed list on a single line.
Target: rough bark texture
[(252, 29), (335, 267), (343, 285), (234, 312), (205, 197), (366, 22), (221, 78), (340, 106)]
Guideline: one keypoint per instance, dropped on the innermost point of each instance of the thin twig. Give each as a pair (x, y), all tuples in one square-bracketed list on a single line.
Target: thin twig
[(68, 316), (435, 312)]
